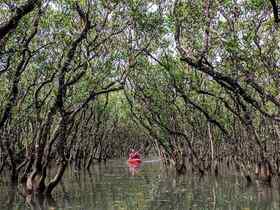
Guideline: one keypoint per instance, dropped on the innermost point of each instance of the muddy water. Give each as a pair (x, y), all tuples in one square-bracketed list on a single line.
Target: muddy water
[(118, 187)]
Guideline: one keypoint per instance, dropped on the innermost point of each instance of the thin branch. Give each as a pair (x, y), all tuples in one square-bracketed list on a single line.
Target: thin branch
[(275, 10), (13, 22)]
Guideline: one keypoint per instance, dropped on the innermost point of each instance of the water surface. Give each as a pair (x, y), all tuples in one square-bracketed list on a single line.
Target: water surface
[(150, 187)]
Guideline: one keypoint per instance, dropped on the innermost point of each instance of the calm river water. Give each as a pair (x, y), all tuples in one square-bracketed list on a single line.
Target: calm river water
[(116, 187)]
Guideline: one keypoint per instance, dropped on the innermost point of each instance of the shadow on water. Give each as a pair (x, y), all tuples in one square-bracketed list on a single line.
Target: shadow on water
[(40, 202), (9, 197), (14, 198), (113, 187)]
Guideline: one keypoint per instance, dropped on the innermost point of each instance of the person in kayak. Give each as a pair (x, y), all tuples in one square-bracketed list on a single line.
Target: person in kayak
[(134, 154)]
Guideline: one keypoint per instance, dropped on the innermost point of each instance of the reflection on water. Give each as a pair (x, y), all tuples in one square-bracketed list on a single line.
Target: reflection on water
[(116, 187), (134, 168)]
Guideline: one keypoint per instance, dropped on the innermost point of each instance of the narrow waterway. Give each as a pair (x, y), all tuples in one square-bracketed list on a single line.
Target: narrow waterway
[(118, 187)]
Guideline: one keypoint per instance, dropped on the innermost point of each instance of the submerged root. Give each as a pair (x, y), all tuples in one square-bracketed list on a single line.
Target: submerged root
[(263, 171)]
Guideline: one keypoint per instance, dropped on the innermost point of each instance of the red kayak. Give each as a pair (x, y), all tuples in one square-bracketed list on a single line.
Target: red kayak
[(134, 161)]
